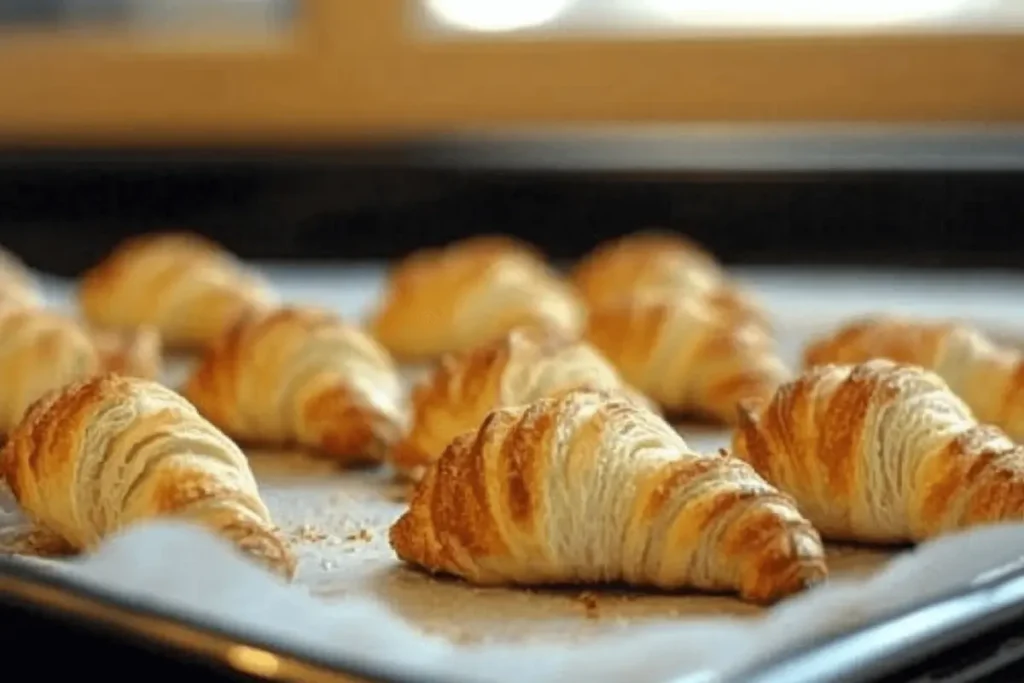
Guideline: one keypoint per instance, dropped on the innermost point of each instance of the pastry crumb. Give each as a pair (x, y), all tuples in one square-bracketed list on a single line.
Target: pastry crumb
[(309, 534), (361, 535)]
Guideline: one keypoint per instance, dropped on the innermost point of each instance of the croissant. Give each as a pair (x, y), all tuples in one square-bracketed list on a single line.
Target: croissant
[(663, 265), (301, 376), (989, 378), (137, 353), (882, 452), (39, 351), (467, 294), (516, 369), (110, 451), (587, 488), (187, 287), (687, 356)]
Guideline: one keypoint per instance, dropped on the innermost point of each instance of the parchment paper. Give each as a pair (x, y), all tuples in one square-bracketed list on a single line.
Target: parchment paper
[(353, 599)]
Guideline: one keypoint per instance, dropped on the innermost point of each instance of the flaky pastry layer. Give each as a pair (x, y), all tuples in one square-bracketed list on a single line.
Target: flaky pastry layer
[(588, 488), (187, 287), (688, 357), (467, 294), (988, 377), (105, 453), (882, 452), (302, 376), (522, 366)]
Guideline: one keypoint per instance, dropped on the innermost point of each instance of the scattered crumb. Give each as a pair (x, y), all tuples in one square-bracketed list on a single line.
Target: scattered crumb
[(309, 534), (361, 535), (589, 602)]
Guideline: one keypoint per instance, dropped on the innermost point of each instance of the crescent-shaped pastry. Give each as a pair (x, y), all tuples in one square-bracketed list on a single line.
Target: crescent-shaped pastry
[(687, 356), (187, 287), (39, 351), (882, 452), (989, 378), (135, 353), (518, 368), (105, 453), (648, 258), (585, 488), (656, 264), (453, 299), (301, 376)]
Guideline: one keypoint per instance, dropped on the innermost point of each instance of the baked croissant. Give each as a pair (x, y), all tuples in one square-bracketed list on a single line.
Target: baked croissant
[(110, 451), (467, 294), (187, 287), (586, 488), (655, 264), (39, 351), (687, 356), (516, 369), (989, 378), (136, 353), (301, 376), (882, 452)]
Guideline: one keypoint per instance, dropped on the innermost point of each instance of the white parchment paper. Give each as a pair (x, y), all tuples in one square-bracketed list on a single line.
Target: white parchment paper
[(186, 569), (355, 602)]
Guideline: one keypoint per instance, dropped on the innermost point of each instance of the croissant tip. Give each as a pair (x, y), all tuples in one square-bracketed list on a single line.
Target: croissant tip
[(805, 576), (746, 412)]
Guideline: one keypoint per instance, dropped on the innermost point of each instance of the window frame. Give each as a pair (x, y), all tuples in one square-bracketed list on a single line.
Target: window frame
[(352, 68)]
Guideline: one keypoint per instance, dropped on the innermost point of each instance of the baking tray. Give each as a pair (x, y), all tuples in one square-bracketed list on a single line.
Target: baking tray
[(967, 636), (334, 517)]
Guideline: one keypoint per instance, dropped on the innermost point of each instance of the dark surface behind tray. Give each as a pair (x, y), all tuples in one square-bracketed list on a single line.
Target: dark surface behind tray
[(64, 218), (91, 649)]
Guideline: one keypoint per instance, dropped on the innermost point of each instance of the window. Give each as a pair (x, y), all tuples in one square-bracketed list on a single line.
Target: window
[(366, 69)]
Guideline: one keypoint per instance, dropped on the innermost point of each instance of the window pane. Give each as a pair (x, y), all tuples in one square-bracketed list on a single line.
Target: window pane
[(701, 16)]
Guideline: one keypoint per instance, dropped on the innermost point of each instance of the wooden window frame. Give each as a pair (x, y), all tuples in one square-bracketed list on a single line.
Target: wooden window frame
[(352, 70)]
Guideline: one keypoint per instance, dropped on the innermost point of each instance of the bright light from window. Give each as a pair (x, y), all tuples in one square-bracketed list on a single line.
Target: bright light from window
[(497, 15), (774, 13)]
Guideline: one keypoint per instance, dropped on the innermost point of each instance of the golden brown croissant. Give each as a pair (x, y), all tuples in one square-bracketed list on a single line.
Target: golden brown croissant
[(586, 488), (687, 356), (882, 452), (467, 294), (989, 378), (111, 451), (136, 353), (655, 264), (301, 376), (516, 369), (187, 287), (39, 351)]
